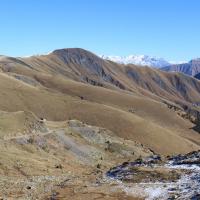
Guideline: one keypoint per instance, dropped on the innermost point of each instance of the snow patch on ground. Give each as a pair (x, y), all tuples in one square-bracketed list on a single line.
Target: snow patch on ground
[(187, 187)]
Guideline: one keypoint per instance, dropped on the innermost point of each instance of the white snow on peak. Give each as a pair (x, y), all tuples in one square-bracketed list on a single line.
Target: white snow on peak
[(143, 60)]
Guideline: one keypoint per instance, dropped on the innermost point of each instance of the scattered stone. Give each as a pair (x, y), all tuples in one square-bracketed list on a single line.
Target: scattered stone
[(42, 120), (28, 187), (59, 166), (131, 110), (53, 196), (63, 183), (187, 159), (98, 166)]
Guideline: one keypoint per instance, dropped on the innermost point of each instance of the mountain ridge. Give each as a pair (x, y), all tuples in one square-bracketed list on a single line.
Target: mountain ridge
[(84, 66), (190, 68), (142, 60), (77, 84)]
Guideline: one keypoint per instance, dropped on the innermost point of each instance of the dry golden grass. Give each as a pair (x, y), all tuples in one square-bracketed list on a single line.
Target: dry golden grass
[(54, 87), (151, 122)]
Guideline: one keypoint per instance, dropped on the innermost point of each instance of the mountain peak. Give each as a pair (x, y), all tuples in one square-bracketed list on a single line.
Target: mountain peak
[(143, 60), (71, 50), (195, 60), (76, 54), (190, 68)]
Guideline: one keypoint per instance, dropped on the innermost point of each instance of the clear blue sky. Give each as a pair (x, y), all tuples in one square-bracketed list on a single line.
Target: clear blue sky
[(164, 28)]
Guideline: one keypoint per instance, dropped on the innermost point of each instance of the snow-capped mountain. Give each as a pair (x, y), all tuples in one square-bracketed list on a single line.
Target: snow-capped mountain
[(143, 60)]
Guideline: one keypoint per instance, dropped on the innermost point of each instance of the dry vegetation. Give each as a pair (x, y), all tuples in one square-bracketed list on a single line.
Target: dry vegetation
[(128, 102)]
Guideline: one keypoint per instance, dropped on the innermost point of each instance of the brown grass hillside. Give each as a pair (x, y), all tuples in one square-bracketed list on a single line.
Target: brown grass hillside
[(68, 117), (56, 98)]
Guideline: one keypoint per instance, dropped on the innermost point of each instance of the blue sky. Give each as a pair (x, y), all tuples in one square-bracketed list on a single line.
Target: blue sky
[(163, 28)]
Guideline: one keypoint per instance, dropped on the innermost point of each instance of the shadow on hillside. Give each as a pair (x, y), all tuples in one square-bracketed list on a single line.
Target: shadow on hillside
[(196, 128)]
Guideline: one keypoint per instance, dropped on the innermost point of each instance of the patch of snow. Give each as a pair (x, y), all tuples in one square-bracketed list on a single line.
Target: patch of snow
[(177, 62), (183, 166), (149, 191), (156, 192), (186, 187)]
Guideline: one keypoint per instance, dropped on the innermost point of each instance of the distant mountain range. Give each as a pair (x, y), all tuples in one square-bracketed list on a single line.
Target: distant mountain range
[(191, 68), (143, 60)]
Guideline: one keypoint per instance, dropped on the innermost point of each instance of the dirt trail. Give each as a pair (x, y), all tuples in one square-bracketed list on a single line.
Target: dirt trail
[(27, 135)]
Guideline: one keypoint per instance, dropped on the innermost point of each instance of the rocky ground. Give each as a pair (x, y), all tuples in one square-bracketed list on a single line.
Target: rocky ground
[(66, 160), (73, 160), (152, 178)]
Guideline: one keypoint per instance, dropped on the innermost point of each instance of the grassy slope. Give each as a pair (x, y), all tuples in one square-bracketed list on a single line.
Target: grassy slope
[(78, 64), (152, 123)]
